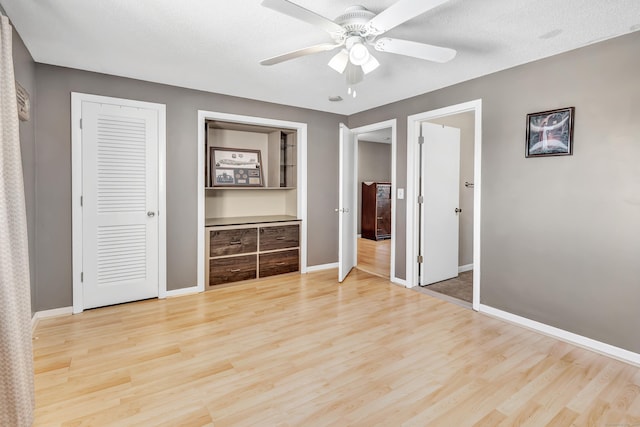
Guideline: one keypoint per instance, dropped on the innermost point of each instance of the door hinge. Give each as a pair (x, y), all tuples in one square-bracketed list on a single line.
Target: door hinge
[(82, 276), (421, 140), (420, 259), (420, 200), (81, 200), (80, 123)]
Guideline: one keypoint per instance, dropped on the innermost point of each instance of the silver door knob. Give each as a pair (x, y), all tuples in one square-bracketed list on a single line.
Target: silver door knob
[(151, 213)]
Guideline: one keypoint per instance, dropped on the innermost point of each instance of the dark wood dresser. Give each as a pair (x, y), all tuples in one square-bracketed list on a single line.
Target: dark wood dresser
[(376, 210), (251, 247)]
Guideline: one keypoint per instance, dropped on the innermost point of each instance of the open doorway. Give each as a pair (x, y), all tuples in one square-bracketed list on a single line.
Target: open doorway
[(374, 182), (446, 264), (349, 203), (456, 206)]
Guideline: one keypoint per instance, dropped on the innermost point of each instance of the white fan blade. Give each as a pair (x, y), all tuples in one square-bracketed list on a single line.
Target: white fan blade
[(300, 52), (415, 49), (299, 12), (400, 12)]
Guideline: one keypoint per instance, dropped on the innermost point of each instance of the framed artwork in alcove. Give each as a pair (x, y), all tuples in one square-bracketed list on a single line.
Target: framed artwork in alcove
[(235, 167)]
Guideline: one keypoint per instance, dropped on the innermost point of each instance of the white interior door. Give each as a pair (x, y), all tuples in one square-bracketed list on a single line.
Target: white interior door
[(120, 203), (347, 202), (440, 177)]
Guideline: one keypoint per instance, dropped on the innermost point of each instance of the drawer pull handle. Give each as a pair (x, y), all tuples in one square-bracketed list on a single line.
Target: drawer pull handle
[(235, 242), (235, 270), (379, 217), (280, 238), (281, 263)]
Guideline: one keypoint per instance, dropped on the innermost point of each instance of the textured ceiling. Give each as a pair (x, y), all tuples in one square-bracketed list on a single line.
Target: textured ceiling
[(216, 46)]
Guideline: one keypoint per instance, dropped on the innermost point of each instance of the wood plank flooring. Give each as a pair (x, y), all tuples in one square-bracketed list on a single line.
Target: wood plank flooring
[(375, 256), (302, 351)]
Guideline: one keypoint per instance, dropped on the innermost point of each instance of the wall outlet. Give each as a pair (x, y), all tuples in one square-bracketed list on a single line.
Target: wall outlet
[(400, 193)]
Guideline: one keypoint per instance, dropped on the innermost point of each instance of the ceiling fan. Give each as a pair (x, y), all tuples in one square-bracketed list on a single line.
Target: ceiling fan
[(358, 28)]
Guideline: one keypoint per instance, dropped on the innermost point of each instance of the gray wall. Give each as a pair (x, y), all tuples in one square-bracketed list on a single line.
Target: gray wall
[(25, 72), (374, 164), (466, 123), (560, 235), (53, 180)]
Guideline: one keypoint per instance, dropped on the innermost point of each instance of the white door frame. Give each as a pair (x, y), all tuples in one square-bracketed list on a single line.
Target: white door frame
[(413, 132), (372, 128), (76, 189), (301, 187)]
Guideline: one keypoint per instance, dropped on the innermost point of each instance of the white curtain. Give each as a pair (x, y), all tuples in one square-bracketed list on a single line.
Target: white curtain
[(16, 357)]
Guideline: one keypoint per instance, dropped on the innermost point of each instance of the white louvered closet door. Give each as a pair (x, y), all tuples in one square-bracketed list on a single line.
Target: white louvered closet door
[(120, 200)]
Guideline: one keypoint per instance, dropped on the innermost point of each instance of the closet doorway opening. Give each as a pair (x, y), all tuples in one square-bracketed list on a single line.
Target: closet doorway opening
[(444, 153)]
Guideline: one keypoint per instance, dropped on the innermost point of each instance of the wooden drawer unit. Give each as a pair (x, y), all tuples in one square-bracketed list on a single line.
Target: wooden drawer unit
[(280, 262), (232, 269), (279, 237), (248, 251), (233, 242), (376, 210)]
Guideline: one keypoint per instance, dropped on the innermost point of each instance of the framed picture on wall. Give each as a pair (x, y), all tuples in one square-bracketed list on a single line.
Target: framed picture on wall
[(235, 167), (550, 133)]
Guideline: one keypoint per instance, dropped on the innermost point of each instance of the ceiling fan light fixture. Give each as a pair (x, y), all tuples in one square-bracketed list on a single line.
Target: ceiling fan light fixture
[(370, 65), (339, 61), (359, 54), (354, 74), (358, 29)]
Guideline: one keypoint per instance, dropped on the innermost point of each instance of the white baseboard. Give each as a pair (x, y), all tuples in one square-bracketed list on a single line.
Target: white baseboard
[(56, 312), (321, 267), (183, 291), (400, 282), (463, 268), (579, 340)]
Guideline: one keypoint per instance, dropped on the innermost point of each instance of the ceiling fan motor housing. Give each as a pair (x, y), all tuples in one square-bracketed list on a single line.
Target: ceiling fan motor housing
[(354, 20)]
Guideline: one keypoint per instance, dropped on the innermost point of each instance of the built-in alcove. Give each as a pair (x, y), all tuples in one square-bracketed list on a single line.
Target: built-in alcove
[(253, 184), (278, 153)]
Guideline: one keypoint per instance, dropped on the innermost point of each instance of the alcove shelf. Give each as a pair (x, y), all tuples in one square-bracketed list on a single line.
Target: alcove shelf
[(242, 220), (248, 188), (278, 194), (277, 149)]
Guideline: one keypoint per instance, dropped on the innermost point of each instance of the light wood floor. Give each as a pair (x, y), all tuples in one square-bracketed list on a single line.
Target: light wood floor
[(303, 351), (375, 256)]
